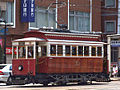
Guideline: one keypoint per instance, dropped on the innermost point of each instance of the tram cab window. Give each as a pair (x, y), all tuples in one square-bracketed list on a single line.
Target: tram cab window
[(80, 50), (93, 51), (21, 53), (67, 50), (59, 50), (74, 50), (30, 51), (99, 51), (86, 50), (14, 52), (53, 50)]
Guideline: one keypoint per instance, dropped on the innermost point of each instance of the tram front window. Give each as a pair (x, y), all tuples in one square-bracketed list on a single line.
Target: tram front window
[(21, 53), (14, 52), (30, 51)]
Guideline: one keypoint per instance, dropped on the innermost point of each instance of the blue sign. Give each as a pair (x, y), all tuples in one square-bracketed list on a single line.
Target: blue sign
[(2, 31), (27, 10)]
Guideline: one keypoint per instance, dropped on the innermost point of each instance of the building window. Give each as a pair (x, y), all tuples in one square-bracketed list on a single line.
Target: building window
[(114, 54), (79, 21), (110, 3), (110, 26), (43, 18), (7, 11)]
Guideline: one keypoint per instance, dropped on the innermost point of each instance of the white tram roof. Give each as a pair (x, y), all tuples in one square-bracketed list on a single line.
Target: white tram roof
[(29, 39)]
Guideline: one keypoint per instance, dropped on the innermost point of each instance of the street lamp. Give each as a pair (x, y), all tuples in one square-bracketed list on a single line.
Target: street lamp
[(4, 55)]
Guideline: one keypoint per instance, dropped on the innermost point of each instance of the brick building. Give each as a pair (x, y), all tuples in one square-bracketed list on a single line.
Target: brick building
[(84, 16)]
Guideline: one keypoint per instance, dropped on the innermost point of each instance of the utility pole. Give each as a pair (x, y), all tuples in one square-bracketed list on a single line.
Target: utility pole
[(4, 55)]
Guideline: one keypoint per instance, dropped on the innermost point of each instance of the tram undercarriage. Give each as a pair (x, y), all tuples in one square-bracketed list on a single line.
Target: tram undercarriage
[(58, 79)]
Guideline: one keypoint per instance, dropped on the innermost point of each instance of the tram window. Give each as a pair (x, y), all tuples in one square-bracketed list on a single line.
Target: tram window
[(30, 51), (14, 52), (80, 50), (99, 51), (53, 50), (67, 50), (93, 51), (21, 53), (74, 50), (86, 50), (59, 50), (43, 51)]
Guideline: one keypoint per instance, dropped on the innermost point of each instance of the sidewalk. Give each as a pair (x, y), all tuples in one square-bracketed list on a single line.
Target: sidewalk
[(115, 78)]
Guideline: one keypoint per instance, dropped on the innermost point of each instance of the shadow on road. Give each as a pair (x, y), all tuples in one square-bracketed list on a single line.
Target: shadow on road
[(41, 86)]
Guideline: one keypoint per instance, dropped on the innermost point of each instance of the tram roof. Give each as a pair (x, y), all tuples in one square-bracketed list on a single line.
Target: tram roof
[(29, 39)]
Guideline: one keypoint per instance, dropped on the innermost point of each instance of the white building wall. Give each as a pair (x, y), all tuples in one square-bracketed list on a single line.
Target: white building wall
[(119, 17)]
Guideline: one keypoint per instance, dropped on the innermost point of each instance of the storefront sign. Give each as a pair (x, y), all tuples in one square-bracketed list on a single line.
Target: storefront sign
[(8, 50), (1, 41), (27, 10), (115, 43)]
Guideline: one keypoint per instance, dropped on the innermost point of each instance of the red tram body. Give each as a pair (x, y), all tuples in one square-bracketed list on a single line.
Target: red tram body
[(58, 57)]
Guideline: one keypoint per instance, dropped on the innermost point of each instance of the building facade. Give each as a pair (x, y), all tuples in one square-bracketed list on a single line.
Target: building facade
[(83, 16)]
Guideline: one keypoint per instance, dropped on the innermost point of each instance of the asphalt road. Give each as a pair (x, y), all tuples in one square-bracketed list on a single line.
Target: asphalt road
[(113, 85)]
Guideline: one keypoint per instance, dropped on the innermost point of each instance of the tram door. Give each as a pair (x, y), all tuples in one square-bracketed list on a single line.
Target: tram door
[(41, 53)]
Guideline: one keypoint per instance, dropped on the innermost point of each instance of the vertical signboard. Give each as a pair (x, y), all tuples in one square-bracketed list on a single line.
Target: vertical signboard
[(0, 41), (27, 10)]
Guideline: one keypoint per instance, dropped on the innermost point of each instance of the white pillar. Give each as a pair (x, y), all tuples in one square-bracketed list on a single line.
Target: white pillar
[(56, 10), (109, 53), (118, 27), (68, 13), (90, 15)]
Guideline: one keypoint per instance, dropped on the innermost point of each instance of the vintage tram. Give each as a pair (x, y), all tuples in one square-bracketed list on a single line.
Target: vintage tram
[(58, 56)]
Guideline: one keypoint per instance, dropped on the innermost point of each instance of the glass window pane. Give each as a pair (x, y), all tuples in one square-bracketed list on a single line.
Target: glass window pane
[(110, 26), (43, 18), (53, 50), (30, 52), (80, 21), (80, 50), (74, 50), (14, 51), (99, 51), (43, 51), (71, 23), (67, 50), (86, 50), (21, 52), (7, 11), (59, 50), (110, 3), (93, 51)]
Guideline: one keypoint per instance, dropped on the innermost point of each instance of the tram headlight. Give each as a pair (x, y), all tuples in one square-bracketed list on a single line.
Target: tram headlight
[(20, 68)]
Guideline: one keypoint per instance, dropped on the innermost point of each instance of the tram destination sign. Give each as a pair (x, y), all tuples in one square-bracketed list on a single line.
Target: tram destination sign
[(27, 10)]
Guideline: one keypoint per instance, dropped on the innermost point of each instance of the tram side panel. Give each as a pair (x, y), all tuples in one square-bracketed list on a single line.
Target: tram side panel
[(24, 67), (70, 65)]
